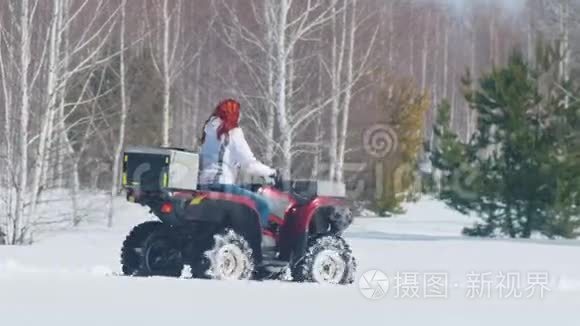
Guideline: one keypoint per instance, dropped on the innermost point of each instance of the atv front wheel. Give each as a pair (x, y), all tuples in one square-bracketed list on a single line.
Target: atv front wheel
[(328, 260), (149, 250), (230, 258)]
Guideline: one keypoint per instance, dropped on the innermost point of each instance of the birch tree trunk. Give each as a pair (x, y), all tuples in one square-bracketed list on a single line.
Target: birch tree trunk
[(453, 113), (471, 114), (337, 58), (290, 83), (391, 56), (8, 168), (17, 233), (196, 103), (492, 41), (52, 84), (319, 134), (317, 151), (446, 63), (564, 50), (412, 57), (432, 113), (270, 110), (45, 137), (166, 75), (424, 53), (348, 93), (124, 108), (62, 140), (75, 189), (281, 82), (530, 38), (412, 50), (435, 57)]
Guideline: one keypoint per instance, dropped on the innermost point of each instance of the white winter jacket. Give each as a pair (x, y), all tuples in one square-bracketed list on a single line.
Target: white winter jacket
[(221, 158)]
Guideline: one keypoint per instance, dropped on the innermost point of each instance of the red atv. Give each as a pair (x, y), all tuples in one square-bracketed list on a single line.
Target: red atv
[(208, 230)]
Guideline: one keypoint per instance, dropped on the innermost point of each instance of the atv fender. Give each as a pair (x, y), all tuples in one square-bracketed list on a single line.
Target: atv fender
[(227, 211), (219, 208), (296, 231), (305, 215)]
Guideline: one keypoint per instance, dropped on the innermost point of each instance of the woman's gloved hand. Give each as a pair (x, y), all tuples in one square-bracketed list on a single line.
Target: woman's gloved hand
[(276, 178)]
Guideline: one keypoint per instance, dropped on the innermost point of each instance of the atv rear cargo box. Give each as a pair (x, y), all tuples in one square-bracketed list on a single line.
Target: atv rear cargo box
[(319, 188), (156, 169)]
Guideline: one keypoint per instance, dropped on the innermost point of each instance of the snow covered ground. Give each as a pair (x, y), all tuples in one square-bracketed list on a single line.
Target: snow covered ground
[(436, 277)]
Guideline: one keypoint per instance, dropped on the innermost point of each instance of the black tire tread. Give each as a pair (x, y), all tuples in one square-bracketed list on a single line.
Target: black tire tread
[(131, 263), (236, 240), (302, 271)]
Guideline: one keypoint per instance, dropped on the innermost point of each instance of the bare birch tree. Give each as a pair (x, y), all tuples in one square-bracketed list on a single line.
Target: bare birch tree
[(16, 232), (286, 24), (563, 18), (354, 71), (8, 172), (170, 52), (336, 66), (123, 119), (89, 44), (425, 50)]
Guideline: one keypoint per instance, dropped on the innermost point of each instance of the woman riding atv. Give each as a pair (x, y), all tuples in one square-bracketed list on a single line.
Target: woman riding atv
[(224, 151)]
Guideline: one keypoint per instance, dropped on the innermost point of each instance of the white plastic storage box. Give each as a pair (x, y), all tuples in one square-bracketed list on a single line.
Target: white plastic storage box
[(309, 188), (155, 169)]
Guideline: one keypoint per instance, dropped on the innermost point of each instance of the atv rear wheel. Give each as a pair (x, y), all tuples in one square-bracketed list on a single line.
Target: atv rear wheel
[(328, 260), (149, 250), (230, 258)]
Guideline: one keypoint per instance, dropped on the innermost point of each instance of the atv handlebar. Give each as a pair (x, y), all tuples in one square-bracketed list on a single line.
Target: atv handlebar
[(276, 179)]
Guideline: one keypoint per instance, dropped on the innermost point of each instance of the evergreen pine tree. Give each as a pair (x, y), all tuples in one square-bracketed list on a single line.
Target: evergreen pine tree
[(519, 171), (448, 153)]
